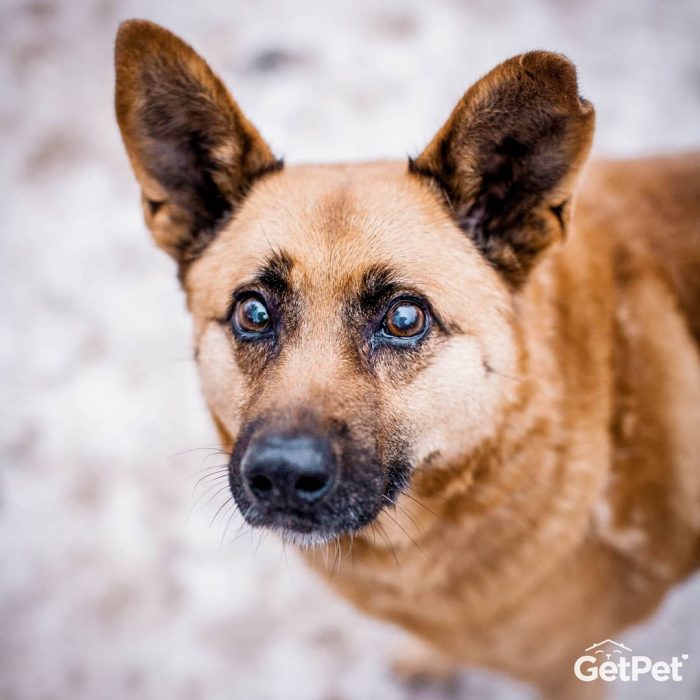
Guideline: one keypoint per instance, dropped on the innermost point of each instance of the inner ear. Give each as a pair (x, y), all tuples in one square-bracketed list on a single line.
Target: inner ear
[(508, 156), (192, 149)]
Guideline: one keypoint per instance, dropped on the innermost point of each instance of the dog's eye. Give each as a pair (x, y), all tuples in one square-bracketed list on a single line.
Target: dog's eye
[(250, 315), (405, 320)]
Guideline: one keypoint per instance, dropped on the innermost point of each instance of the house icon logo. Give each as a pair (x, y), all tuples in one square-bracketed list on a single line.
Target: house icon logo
[(613, 661), (607, 648)]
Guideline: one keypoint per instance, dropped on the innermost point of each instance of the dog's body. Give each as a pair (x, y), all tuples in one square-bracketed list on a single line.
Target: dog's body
[(512, 423), (597, 506)]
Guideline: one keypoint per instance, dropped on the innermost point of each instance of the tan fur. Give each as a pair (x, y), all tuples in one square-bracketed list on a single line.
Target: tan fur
[(556, 491), (576, 519)]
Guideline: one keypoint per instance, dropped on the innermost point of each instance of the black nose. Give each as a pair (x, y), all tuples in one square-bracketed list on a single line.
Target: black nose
[(288, 472)]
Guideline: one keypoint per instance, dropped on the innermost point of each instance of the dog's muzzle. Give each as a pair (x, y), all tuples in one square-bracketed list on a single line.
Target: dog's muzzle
[(310, 483)]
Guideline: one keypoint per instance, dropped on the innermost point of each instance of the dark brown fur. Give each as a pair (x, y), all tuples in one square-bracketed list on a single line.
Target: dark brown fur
[(524, 480)]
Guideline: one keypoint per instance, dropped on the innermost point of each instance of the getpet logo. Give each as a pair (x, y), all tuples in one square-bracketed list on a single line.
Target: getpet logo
[(612, 661)]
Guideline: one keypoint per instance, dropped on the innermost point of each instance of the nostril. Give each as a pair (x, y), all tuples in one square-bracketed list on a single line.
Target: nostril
[(310, 487), (283, 473), (260, 485)]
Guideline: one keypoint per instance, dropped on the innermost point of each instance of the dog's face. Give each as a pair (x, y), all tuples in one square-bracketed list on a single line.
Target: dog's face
[(353, 324), (345, 331)]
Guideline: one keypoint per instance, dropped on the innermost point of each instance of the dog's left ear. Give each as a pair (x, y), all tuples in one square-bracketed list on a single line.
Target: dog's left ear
[(508, 157), (192, 149)]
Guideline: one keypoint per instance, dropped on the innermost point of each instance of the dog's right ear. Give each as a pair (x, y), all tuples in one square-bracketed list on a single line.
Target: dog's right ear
[(193, 151)]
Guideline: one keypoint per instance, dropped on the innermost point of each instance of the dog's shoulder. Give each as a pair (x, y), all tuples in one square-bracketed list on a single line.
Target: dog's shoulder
[(650, 209)]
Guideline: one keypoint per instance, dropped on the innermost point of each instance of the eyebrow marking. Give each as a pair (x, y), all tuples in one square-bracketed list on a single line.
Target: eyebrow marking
[(377, 285), (275, 274), (380, 284)]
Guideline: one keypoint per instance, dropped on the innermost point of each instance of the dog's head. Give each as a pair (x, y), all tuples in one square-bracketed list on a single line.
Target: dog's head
[(353, 324)]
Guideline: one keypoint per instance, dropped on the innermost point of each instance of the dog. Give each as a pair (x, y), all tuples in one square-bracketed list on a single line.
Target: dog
[(478, 371)]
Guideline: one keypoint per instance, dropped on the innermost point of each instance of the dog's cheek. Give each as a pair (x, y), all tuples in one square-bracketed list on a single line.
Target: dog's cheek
[(457, 402), (222, 382)]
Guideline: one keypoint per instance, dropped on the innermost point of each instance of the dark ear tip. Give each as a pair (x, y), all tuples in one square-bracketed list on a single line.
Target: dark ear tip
[(559, 73), (137, 38), (550, 66), (131, 30)]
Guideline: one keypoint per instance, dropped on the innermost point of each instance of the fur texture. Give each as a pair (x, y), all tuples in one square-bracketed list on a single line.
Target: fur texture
[(525, 480)]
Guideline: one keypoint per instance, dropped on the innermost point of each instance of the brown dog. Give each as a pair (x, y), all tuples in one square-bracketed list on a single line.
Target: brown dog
[(490, 392)]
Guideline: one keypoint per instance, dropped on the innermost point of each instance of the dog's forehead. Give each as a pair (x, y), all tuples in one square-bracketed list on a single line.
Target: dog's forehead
[(333, 224)]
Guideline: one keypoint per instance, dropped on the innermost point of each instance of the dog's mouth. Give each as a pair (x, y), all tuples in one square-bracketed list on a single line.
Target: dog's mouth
[(313, 509), (307, 530), (349, 508)]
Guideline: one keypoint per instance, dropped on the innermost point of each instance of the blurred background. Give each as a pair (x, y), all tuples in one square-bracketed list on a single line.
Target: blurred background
[(117, 576)]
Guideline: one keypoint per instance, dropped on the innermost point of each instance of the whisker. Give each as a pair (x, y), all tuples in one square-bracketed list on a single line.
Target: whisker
[(197, 498), (374, 535), (263, 534), (491, 370), (221, 507), (286, 561), (228, 507), (211, 478), (352, 553), (422, 505), (264, 233), (341, 555), (422, 470), (243, 530), (214, 450), (208, 470), (398, 524), (228, 522), (336, 563), (389, 543), (411, 518), (212, 498)]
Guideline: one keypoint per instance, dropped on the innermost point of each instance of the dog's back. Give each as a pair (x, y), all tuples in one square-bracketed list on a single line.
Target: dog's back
[(655, 206), (649, 210)]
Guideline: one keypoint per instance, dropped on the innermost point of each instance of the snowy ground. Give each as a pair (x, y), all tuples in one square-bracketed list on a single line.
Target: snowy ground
[(108, 588)]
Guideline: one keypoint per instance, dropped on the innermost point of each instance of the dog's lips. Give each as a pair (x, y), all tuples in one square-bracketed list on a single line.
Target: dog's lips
[(307, 528), (310, 528), (306, 540), (294, 529), (290, 522), (298, 526)]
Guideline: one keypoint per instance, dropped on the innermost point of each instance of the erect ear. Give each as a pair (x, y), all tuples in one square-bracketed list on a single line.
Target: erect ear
[(508, 157), (192, 149)]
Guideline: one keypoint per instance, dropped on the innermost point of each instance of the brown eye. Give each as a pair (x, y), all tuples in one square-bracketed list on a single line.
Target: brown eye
[(251, 315), (405, 320)]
